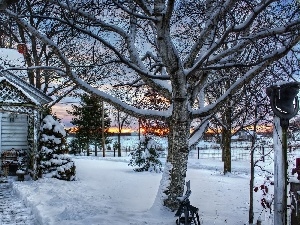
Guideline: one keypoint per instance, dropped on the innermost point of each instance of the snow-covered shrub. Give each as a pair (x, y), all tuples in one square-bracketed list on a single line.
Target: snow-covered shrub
[(146, 158), (52, 159)]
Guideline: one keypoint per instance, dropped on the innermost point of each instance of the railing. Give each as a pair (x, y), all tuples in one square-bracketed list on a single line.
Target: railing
[(237, 153), (263, 153)]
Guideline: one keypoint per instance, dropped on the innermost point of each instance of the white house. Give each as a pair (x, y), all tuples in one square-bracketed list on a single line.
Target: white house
[(20, 107)]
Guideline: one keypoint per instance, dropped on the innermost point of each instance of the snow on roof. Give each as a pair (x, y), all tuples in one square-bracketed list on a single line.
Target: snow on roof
[(34, 94), (11, 58)]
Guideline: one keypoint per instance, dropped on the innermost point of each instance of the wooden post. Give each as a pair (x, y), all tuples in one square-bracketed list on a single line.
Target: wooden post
[(198, 152), (280, 175)]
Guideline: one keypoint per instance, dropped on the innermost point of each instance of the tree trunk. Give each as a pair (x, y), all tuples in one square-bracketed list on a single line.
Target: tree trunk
[(96, 148), (176, 162), (222, 143), (227, 140), (119, 133), (87, 149), (227, 151), (119, 145)]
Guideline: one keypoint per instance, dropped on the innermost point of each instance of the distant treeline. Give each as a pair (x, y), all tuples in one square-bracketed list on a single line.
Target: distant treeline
[(109, 134)]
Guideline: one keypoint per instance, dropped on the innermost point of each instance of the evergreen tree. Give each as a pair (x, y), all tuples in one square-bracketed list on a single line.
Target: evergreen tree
[(53, 162), (146, 157), (88, 121)]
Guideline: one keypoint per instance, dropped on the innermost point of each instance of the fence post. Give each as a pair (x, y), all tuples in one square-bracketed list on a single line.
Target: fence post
[(198, 152), (263, 153), (114, 152)]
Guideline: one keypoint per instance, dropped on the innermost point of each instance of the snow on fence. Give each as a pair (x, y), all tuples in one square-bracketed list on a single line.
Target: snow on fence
[(240, 151), (237, 153)]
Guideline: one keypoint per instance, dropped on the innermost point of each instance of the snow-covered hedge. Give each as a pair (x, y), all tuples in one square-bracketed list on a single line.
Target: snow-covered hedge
[(53, 162)]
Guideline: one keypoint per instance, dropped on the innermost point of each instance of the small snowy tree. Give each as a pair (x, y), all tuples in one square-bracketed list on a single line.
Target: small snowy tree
[(146, 157), (52, 159)]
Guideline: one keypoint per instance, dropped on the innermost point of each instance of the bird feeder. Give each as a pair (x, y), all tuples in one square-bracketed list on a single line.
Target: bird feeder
[(284, 101), (22, 48)]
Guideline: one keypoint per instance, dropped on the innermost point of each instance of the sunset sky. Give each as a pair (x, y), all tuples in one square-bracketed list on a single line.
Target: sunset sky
[(61, 111)]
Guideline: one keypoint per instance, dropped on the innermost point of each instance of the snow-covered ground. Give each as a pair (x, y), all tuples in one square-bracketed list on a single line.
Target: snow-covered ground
[(108, 191)]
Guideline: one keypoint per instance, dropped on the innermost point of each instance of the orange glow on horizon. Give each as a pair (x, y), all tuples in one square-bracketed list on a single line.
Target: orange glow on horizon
[(164, 131), (73, 130), (116, 130)]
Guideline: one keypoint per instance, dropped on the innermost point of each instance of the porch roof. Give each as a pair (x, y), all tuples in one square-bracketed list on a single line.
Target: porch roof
[(34, 94)]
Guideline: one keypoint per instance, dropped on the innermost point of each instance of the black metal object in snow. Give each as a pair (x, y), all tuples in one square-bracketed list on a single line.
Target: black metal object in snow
[(186, 213), (284, 101), (297, 169)]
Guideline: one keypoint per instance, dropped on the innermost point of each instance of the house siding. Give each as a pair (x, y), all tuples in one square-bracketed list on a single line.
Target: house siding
[(14, 131)]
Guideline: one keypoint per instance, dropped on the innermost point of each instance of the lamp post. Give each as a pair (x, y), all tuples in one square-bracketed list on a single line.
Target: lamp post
[(285, 105)]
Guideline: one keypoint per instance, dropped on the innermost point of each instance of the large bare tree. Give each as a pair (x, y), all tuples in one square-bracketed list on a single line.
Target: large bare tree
[(173, 47)]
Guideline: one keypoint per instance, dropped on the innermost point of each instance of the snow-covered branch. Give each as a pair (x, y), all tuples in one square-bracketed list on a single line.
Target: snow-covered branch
[(145, 6), (256, 11), (218, 13), (198, 132), (134, 62), (207, 110), (137, 15), (160, 115), (293, 26), (220, 61), (60, 71)]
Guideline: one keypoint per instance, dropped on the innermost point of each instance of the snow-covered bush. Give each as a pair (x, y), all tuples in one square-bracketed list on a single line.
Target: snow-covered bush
[(52, 159), (146, 158)]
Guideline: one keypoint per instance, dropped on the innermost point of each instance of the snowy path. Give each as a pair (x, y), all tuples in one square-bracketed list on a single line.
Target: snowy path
[(12, 210)]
